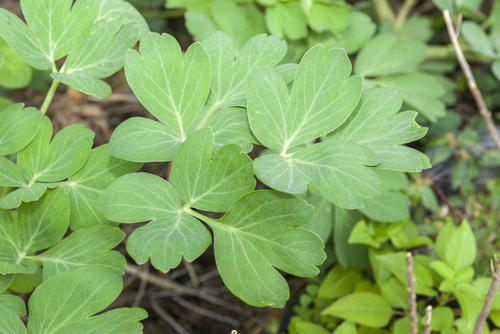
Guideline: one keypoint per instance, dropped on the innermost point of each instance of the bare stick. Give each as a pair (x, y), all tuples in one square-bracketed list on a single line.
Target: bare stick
[(412, 296), (158, 281), (428, 318), (488, 302), (476, 93), (142, 290), (192, 274)]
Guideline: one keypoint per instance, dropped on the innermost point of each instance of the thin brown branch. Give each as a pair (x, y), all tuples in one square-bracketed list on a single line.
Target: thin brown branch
[(476, 93), (192, 274), (158, 281), (412, 296), (428, 319), (142, 289), (443, 197), (490, 296)]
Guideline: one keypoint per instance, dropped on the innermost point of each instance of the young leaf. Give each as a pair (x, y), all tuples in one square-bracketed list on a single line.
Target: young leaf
[(377, 125), (206, 184), (260, 233), (286, 19), (18, 127), (388, 54), (85, 186), (14, 72), (363, 308), (461, 247), (68, 302)]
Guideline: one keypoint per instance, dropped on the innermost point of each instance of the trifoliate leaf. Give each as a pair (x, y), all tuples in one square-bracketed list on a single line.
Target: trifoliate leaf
[(68, 302), (87, 246), (377, 125), (171, 234), (54, 28), (14, 72), (388, 54), (183, 107), (322, 97), (18, 127), (206, 184), (98, 55), (66, 153), (260, 233), (85, 186), (172, 87), (40, 225), (363, 308)]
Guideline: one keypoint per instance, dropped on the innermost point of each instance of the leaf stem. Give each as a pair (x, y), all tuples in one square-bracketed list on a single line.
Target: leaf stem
[(208, 220), (403, 14), (383, 10), (49, 97)]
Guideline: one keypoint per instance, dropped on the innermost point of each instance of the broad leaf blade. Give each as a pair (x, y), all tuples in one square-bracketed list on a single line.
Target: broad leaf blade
[(260, 233), (18, 127)]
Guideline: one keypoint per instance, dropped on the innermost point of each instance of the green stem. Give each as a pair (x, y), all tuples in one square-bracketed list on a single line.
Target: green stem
[(208, 220), (49, 97), (491, 18), (403, 14), (383, 10), (447, 52)]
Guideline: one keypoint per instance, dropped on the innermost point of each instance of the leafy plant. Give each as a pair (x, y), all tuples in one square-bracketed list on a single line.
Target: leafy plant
[(345, 301)]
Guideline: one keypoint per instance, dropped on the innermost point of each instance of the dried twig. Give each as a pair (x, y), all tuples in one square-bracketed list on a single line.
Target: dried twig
[(192, 274), (490, 296), (141, 291), (412, 296), (428, 318), (165, 316), (476, 93), (204, 312), (443, 196), (158, 281)]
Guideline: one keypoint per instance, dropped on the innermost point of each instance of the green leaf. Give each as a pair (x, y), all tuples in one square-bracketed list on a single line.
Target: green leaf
[(358, 31), (26, 193), (443, 269), (10, 174), (18, 127), (211, 184), (443, 238), (5, 280), (171, 234), (87, 246), (338, 282), (348, 254), (442, 317), (388, 207), (40, 225), (262, 232), (232, 70), (321, 221), (366, 309), (477, 39), (361, 234), (333, 16), (11, 308), (345, 328), (14, 72), (395, 293), (461, 247), (81, 293), (26, 283), (65, 155), (282, 121), (286, 19), (85, 186), (420, 91), (388, 54), (377, 125)]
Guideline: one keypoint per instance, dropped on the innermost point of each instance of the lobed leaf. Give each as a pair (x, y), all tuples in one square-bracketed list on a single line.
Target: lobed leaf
[(18, 127)]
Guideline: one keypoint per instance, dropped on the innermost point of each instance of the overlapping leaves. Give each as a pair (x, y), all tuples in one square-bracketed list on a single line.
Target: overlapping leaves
[(204, 88), (259, 232), (93, 34), (323, 101), (81, 293)]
